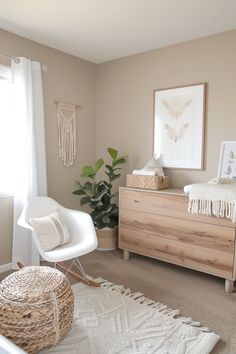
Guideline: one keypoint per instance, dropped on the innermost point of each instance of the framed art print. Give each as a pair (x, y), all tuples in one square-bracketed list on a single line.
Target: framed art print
[(179, 116), (227, 161)]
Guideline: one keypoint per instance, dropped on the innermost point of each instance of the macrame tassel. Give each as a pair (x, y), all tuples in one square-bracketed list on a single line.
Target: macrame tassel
[(66, 121)]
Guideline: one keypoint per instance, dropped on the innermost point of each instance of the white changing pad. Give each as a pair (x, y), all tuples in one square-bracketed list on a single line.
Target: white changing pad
[(215, 180)]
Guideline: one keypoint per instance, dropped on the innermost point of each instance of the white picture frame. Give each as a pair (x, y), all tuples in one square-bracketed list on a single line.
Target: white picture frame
[(227, 160), (179, 120)]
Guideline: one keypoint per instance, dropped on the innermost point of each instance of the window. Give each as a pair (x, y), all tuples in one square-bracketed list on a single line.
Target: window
[(7, 173)]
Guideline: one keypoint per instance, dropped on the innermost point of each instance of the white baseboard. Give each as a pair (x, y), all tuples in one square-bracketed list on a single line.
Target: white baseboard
[(5, 267)]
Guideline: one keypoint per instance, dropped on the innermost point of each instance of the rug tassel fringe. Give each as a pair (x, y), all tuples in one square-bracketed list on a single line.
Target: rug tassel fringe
[(141, 299)]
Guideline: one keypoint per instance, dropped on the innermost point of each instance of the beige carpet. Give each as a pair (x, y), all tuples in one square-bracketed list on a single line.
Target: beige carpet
[(196, 294)]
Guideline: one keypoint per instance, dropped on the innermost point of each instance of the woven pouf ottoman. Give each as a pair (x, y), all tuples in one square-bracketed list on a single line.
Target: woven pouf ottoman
[(36, 307)]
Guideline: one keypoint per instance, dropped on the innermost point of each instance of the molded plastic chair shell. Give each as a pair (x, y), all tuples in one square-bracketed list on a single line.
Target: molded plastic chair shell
[(8, 347), (80, 225)]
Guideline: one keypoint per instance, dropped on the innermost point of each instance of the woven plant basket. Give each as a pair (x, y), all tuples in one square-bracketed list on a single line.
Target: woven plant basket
[(107, 239), (36, 307)]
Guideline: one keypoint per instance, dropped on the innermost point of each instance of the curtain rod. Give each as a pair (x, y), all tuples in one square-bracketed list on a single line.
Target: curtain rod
[(17, 60)]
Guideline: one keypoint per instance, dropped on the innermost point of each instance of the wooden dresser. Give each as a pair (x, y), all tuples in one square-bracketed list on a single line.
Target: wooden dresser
[(157, 224)]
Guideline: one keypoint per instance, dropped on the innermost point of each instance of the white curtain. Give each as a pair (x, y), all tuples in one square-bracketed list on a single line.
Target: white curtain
[(30, 158)]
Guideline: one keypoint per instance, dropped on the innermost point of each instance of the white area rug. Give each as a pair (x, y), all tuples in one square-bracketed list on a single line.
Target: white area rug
[(113, 320)]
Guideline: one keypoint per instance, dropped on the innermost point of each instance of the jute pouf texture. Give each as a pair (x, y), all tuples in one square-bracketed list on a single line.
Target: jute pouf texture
[(36, 307)]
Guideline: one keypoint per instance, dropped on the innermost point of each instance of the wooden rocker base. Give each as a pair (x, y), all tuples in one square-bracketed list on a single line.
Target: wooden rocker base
[(77, 276), (72, 273)]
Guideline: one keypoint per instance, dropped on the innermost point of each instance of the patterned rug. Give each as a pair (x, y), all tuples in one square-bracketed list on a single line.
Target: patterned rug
[(113, 320)]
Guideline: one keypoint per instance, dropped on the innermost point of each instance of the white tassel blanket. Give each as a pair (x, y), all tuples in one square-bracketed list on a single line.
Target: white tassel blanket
[(214, 198)]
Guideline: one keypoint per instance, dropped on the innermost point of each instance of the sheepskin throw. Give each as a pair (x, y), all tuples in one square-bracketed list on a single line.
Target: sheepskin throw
[(217, 199)]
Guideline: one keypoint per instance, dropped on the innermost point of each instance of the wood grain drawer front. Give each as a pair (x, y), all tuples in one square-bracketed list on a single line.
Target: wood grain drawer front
[(165, 204), (205, 247)]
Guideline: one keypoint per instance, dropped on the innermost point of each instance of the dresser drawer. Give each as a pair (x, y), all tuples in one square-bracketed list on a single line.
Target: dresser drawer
[(165, 204), (200, 246)]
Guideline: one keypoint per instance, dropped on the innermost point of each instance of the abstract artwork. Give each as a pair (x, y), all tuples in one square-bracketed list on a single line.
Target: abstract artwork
[(179, 115), (227, 162)]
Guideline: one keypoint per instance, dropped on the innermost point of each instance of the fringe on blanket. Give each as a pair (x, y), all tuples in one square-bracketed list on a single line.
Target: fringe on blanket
[(217, 208)]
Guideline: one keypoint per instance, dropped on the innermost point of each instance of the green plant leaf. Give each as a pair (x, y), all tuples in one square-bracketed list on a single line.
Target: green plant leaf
[(114, 210), (108, 208), (102, 183), (96, 205), (113, 178), (96, 214), (88, 186), (99, 164), (109, 168), (99, 195), (100, 225), (119, 161), (113, 223), (108, 185), (113, 153), (78, 184), (79, 192), (88, 171), (110, 175), (101, 187), (106, 219), (84, 200)]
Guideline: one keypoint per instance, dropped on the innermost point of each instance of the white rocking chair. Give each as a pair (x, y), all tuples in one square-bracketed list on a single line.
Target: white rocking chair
[(81, 228)]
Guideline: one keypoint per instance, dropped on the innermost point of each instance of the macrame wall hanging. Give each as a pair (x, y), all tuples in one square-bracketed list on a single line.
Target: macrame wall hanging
[(66, 124)]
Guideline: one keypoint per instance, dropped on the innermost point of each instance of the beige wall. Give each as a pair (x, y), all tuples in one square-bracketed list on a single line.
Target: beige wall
[(124, 99), (80, 76), (124, 107)]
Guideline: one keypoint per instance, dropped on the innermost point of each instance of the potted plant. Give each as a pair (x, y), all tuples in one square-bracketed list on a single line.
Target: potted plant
[(99, 196)]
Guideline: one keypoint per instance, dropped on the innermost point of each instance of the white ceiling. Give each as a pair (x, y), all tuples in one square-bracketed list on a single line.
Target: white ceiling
[(102, 30)]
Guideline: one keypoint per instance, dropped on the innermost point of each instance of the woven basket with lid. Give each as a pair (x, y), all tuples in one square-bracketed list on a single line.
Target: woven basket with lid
[(36, 307)]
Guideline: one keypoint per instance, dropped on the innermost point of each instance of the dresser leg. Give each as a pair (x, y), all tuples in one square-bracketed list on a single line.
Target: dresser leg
[(126, 255), (229, 285)]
